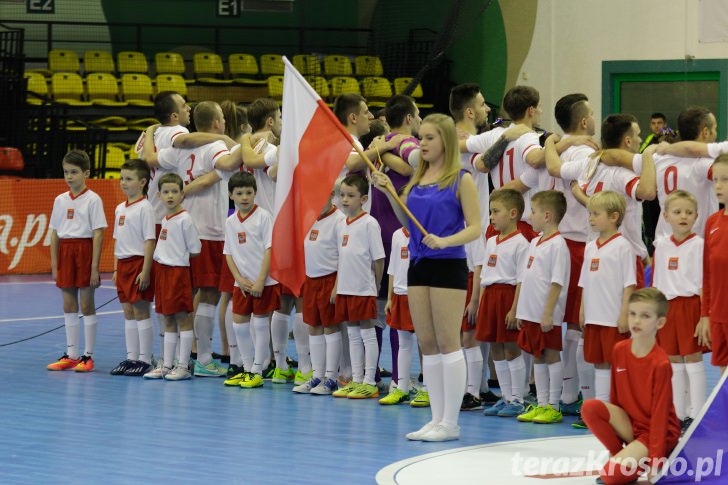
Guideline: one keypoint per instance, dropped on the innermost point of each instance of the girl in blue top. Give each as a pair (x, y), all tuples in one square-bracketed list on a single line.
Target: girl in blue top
[(445, 201)]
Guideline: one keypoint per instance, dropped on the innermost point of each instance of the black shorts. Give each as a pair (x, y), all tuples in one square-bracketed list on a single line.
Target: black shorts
[(439, 273)]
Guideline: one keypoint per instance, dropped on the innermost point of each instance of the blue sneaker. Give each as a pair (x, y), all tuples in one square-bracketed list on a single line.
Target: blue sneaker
[(495, 408), (572, 409), (307, 386), (511, 410), (212, 369), (325, 388)]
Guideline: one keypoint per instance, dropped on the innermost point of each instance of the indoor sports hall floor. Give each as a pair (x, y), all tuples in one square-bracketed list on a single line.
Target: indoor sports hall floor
[(91, 428)]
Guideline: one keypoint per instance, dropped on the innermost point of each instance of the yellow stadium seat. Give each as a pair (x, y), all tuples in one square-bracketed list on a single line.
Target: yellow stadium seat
[(67, 87), (337, 66), (63, 60), (320, 85), (171, 82), (208, 68), (132, 61), (103, 89), (307, 64), (275, 87), (98, 61), (377, 90), (114, 159), (401, 83), (137, 89), (368, 66), (271, 64), (169, 63), (344, 85), (244, 69), (36, 84)]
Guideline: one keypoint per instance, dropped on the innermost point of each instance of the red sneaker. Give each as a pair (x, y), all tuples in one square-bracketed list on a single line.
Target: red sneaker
[(64, 363), (86, 364)]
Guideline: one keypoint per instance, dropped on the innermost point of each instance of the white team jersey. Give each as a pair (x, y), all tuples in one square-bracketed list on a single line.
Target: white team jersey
[(77, 217), (607, 270), (513, 163), (265, 195), (474, 251), (177, 240), (246, 240), (366, 206), (321, 248), (548, 262), (481, 184), (537, 179), (399, 261), (504, 260), (133, 227), (208, 208), (677, 267), (360, 244), (574, 163)]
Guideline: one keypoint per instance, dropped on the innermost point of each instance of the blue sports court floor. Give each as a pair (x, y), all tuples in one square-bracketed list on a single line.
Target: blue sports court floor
[(92, 428)]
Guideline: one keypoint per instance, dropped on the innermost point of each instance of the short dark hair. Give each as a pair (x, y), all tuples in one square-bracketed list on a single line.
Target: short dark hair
[(347, 104), (460, 98), (568, 111), (658, 115), (142, 171), (358, 181), (165, 106), (79, 158), (518, 99), (376, 128), (260, 110), (205, 113), (397, 109), (511, 199), (242, 179), (691, 121), (552, 200), (614, 128), (170, 178)]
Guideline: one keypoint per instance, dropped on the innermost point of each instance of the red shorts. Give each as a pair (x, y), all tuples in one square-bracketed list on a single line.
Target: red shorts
[(599, 340), (719, 343), (226, 282), (523, 226), (640, 273), (533, 340), (318, 310), (353, 308), (172, 289), (398, 316), (268, 302), (206, 266), (676, 337), (573, 295), (465, 326), (286, 291), (127, 270), (495, 303), (74, 263)]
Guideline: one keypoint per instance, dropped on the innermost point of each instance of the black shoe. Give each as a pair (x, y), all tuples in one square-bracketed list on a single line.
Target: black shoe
[(384, 372), (225, 359), (470, 403), (268, 372), (493, 383), (291, 362), (420, 378), (488, 398), (193, 356), (121, 368), (234, 370), (579, 424), (599, 481), (139, 368), (685, 424), (532, 389)]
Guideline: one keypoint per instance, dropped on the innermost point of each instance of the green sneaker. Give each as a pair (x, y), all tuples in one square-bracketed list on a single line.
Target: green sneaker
[(344, 391), (579, 424), (302, 378), (281, 376), (235, 379), (421, 400), (251, 380), (364, 391), (395, 397), (531, 412), (548, 415), (213, 369)]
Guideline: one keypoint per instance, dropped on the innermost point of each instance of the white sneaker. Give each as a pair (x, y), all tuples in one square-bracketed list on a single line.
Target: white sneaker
[(442, 432), (417, 435), (179, 373), (158, 372), (306, 387)]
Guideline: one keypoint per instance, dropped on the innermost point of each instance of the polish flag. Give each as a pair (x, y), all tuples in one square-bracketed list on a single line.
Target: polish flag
[(314, 147)]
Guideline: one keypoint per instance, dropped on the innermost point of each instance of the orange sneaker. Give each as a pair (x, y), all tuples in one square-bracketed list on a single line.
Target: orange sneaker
[(85, 365), (64, 363)]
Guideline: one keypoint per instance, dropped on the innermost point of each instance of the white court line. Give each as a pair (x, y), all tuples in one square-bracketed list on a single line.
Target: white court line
[(52, 317)]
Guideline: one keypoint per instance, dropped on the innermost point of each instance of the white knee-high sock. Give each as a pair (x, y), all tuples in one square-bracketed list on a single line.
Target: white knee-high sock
[(556, 379), (235, 357), (698, 387), (485, 351), (185, 346), (454, 372), (279, 336), (517, 367), (602, 383), (371, 354), (474, 358), (170, 347), (585, 371), (262, 342), (404, 359), (317, 344), (528, 366), (503, 374), (303, 346), (204, 324), (333, 354), (434, 380), (90, 325), (345, 365), (146, 339), (356, 349), (541, 376), (159, 320), (131, 335), (245, 346), (571, 375), (679, 389)]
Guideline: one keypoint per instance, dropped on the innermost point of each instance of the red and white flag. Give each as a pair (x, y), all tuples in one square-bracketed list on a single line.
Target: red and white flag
[(314, 147)]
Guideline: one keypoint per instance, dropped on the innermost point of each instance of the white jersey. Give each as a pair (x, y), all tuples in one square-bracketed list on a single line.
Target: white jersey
[(474, 251), (133, 227), (177, 240), (478, 144), (321, 248), (77, 216), (548, 262), (504, 260), (677, 267), (246, 240), (399, 261), (513, 163), (208, 208), (537, 179), (265, 195), (574, 163), (360, 244), (607, 270), (366, 206)]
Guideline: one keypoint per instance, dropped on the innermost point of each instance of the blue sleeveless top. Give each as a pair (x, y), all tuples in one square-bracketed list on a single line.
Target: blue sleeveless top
[(440, 213)]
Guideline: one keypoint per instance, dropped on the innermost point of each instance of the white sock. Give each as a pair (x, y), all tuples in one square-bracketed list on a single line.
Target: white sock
[(485, 351), (404, 359), (244, 344), (679, 388), (698, 387), (160, 330), (204, 324), (586, 373), (146, 339), (474, 358), (602, 384), (131, 334), (503, 374), (556, 380), (72, 334), (434, 379), (541, 375), (303, 346), (528, 366), (279, 335), (233, 349), (571, 375), (454, 372), (345, 366), (185, 346), (371, 354), (517, 367), (333, 354), (317, 344), (90, 323), (356, 349), (170, 347), (262, 340)]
